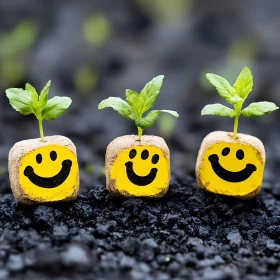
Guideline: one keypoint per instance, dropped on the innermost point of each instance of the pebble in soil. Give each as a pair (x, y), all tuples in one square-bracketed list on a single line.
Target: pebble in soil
[(188, 234)]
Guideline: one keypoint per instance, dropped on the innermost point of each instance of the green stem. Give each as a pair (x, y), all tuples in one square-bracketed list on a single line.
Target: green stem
[(40, 121), (236, 118), (140, 132), (237, 108)]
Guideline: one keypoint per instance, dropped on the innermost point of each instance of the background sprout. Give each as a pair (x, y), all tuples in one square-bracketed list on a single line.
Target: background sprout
[(236, 95), (166, 125), (15, 45), (165, 10), (97, 30), (137, 104), (86, 79), (27, 101)]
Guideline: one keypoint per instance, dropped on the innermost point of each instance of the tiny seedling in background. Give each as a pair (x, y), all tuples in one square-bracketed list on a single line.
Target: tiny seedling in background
[(137, 104), (15, 46), (27, 101), (236, 95)]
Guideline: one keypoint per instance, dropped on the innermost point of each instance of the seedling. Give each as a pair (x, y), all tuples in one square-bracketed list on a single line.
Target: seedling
[(43, 169), (138, 166), (27, 101), (137, 104), (236, 95), (229, 163)]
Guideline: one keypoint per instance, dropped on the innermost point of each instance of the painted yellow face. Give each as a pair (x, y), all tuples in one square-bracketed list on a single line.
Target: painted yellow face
[(141, 171), (49, 173), (233, 169)]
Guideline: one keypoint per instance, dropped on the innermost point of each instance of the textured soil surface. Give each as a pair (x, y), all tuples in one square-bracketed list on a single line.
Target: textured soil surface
[(188, 234)]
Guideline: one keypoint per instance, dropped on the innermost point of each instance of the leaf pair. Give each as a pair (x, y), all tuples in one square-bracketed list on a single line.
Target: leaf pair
[(137, 104), (236, 95), (27, 101)]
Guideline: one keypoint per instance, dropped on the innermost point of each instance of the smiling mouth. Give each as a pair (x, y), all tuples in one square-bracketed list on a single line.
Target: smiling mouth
[(233, 177), (140, 180), (51, 182)]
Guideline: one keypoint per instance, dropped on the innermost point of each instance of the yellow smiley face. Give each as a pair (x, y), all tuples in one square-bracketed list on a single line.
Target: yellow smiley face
[(231, 168), (49, 173), (141, 171)]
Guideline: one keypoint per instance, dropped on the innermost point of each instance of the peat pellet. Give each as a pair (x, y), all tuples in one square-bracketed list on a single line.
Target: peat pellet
[(229, 166), (137, 168), (44, 171)]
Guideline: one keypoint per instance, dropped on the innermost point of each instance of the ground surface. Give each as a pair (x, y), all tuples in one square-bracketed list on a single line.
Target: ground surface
[(188, 234)]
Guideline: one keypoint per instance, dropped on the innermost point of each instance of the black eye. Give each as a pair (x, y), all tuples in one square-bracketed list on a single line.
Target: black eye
[(132, 153), (145, 154), (39, 158), (240, 154), (225, 151), (155, 159), (53, 155)]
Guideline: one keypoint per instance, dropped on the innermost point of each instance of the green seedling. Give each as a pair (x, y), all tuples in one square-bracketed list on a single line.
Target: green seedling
[(137, 104), (236, 95), (27, 101)]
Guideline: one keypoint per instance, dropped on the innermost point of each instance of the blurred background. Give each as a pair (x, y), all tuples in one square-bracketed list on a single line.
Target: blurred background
[(93, 49)]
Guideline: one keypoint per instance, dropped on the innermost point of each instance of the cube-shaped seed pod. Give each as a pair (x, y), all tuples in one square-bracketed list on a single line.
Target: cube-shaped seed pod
[(232, 167), (44, 171), (137, 168)]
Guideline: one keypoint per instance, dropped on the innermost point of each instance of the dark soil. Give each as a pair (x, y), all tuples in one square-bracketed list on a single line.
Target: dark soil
[(188, 234)]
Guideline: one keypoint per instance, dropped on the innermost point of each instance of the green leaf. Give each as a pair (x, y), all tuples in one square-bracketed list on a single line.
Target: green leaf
[(173, 113), (55, 107), (31, 90), (151, 117), (148, 94), (218, 110), (224, 89), (34, 95), (44, 95), (132, 100), (258, 109), (20, 100), (119, 105), (244, 83)]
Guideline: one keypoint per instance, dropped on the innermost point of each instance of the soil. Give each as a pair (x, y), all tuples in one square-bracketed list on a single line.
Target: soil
[(188, 234)]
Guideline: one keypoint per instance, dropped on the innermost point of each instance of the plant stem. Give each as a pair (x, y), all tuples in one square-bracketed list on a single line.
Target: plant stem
[(237, 108), (236, 118), (140, 132), (40, 121)]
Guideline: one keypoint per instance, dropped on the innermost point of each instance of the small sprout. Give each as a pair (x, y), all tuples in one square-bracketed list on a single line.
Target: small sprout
[(18, 40), (2, 171), (102, 171), (86, 79), (236, 96), (165, 11), (27, 101), (137, 104), (89, 168), (166, 125), (97, 29)]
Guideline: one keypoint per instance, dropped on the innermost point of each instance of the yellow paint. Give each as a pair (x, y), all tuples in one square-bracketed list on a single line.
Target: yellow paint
[(214, 183), (141, 168), (49, 168)]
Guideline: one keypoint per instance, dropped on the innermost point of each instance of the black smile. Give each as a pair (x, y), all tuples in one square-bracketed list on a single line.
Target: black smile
[(233, 177), (140, 180), (51, 182)]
